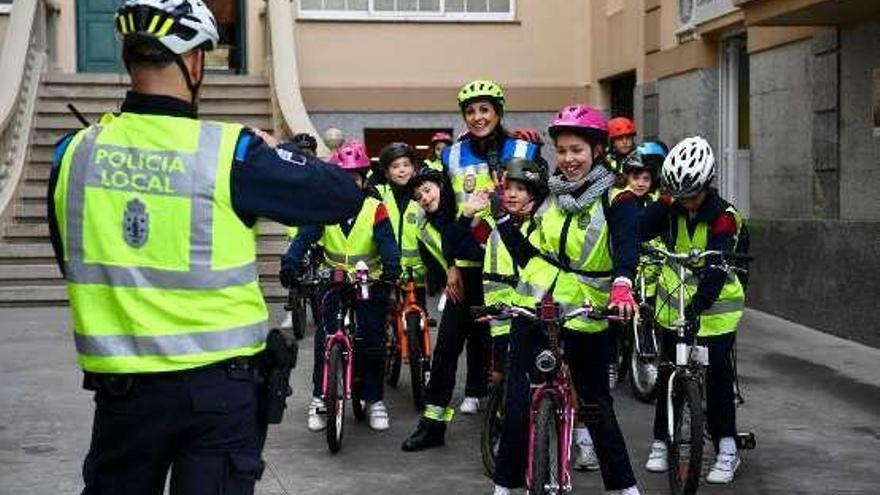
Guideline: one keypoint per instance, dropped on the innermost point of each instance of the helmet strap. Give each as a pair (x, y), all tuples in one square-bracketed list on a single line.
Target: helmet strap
[(192, 86)]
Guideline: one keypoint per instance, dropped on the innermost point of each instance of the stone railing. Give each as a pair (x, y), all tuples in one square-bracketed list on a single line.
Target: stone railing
[(22, 61), (289, 111)]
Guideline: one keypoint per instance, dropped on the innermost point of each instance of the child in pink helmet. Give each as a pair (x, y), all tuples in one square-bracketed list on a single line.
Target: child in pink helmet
[(368, 236)]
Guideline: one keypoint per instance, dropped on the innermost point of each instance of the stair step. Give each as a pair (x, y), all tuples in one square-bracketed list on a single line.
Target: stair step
[(115, 94), (41, 153), (69, 123), (33, 295), (92, 109), (30, 211), (37, 171), (106, 79), (30, 272), (32, 191), (36, 232), (19, 252)]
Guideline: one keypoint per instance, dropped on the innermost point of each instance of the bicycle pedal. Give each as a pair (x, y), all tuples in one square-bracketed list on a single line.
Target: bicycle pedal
[(746, 441)]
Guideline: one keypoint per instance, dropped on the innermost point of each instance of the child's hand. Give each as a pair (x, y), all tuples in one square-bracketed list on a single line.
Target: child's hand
[(265, 136), (478, 201)]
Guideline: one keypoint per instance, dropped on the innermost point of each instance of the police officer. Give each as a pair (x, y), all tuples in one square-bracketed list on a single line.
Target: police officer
[(152, 217)]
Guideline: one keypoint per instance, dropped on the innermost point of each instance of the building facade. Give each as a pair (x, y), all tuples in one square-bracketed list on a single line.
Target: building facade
[(787, 91)]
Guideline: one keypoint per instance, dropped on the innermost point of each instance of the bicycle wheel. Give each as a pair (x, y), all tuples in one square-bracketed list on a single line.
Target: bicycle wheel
[(685, 452), (544, 473), (335, 401), (644, 363), (298, 316), (392, 355), (418, 365), (490, 433)]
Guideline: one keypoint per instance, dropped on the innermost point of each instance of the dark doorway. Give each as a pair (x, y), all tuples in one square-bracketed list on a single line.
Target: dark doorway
[(622, 88), (420, 139), (230, 54), (98, 48)]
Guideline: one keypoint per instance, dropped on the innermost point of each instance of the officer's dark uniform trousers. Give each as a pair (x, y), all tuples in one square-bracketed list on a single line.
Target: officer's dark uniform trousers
[(203, 423)]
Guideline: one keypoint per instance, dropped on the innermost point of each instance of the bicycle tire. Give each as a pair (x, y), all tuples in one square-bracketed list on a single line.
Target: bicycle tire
[(335, 401), (490, 431), (644, 366), (545, 474), (685, 451), (299, 316), (392, 355), (418, 367)]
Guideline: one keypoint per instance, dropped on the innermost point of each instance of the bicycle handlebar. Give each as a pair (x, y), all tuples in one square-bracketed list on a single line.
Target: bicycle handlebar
[(502, 312), (696, 255)]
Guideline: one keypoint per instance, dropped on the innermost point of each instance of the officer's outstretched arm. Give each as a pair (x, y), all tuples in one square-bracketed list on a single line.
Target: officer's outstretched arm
[(288, 186)]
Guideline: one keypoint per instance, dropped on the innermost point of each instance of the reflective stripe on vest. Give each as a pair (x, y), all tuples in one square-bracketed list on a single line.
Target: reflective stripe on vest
[(432, 241), (587, 239), (160, 271), (341, 251), (725, 312), (405, 226), (470, 174)]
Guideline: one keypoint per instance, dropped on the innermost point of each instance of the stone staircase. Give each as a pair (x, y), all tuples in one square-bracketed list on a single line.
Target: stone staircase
[(28, 272)]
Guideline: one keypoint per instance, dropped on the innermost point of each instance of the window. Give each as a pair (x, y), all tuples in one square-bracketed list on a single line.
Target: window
[(409, 10), (5, 6)]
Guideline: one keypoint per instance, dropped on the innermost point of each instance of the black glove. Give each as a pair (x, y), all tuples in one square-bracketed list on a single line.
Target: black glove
[(287, 277), (496, 206)]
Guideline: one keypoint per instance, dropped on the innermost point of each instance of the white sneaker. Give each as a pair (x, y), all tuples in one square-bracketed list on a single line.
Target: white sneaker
[(585, 458), (317, 415), (657, 462), (470, 405), (633, 490), (288, 320), (724, 468), (378, 417), (500, 490)]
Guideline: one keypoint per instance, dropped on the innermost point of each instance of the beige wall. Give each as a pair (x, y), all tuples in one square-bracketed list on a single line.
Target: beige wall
[(4, 19), (616, 38), (545, 49)]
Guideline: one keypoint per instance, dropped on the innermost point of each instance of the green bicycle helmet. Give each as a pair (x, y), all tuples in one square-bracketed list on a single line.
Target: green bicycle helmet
[(481, 89)]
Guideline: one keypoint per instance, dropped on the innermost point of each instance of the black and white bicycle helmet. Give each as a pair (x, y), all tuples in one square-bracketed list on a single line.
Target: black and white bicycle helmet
[(689, 167), (178, 25)]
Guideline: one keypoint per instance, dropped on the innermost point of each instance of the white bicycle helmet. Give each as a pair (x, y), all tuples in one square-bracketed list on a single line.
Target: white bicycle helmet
[(178, 25), (689, 167)]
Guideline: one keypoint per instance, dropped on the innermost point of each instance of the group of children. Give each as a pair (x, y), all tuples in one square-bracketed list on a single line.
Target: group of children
[(487, 212)]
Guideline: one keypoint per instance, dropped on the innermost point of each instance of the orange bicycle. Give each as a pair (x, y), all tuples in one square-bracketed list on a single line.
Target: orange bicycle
[(409, 340)]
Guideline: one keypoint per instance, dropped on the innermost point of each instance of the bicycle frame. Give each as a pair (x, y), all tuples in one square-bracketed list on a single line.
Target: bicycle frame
[(408, 304), (340, 336)]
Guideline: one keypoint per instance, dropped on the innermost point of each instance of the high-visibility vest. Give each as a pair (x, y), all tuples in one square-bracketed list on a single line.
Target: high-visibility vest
[(405, 224), (161, 272), (724, 314), (341, 251), (470, 174), (575, 259), (500, 275), (431, 239), (435, 164)]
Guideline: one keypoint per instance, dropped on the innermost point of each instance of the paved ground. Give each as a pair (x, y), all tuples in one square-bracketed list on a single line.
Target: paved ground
[(813, 401)]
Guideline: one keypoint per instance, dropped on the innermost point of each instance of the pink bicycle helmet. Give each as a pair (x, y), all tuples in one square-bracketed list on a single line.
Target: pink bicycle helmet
[(580, 119), (440, 137), (351, 155)]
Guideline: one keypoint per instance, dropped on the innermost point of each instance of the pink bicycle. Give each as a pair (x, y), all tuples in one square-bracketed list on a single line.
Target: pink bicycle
[(339, 381), (552, 409)]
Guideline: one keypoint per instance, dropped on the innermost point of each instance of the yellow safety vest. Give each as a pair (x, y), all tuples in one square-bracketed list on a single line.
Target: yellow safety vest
[(405, 224), (724, 314), (161, 272), (431, 239), (500, 276), (341, 251), (435, 164), (588, 263)]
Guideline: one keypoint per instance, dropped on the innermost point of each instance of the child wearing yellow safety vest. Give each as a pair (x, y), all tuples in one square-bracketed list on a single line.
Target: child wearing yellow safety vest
[(524, 188), (367, 237), (694, 216), (397, 164)]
